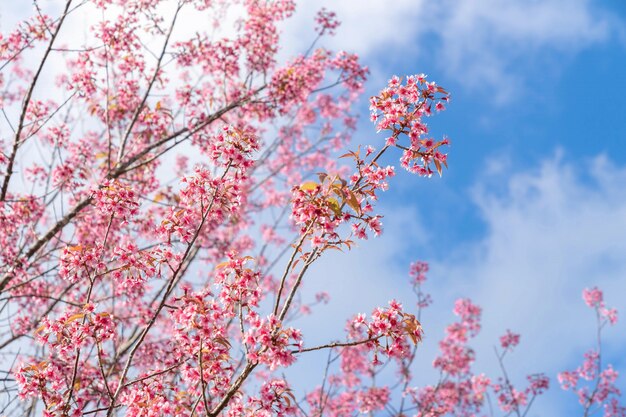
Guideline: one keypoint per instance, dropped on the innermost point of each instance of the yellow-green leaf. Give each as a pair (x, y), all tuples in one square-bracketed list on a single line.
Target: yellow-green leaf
[(334, 206), (308, 186)]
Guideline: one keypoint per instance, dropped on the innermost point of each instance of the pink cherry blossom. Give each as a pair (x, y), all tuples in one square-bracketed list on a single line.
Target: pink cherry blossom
[(157, 249)]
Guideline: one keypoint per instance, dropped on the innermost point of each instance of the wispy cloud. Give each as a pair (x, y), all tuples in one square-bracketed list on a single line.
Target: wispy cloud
[(487, 45), (551, 231), (555, 230), (490, 43), (368, 26)]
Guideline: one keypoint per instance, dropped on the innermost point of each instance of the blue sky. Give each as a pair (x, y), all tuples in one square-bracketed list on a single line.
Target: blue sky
[(533, 207)]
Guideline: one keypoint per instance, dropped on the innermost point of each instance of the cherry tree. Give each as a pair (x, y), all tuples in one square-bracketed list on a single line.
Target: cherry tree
[(164, 194), (593, 382)]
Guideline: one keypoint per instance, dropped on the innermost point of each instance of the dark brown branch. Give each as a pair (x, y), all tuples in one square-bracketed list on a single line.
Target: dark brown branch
[(148, 89), (29, 94), (337, 344)]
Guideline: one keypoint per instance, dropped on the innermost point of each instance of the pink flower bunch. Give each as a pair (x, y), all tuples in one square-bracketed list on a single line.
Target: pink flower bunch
[(417, 274), (373, 399), (84, 81), (116, 200), (70, 331), (207, 199), (239, 284), (134, 268), (13, 217), (509, 340), (389, 332), (538, 384), (211, 56), (299, 78), (40, 379), (400, 108), (260, 34), (275, 399), (320, 208), (37, 111), (326, 22), (594, 298), (64, 338), (296, 80), (509, 398), (76, 170), (316, 210), (269, 343), (456, 357), (233, 147), (119, 35), (81, 262), (594, 384), (353, 74), (198, 311), (148, 399), (24, 36)]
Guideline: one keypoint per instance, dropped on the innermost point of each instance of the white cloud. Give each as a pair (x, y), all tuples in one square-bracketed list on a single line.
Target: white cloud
[(367, 26), (490, 43), (485, 45), (555, 231)]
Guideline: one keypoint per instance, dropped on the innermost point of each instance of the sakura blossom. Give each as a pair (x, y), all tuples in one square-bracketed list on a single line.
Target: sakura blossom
[(155, 252)]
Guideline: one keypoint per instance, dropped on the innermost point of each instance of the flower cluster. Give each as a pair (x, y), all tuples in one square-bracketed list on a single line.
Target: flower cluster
[(116, 199), (134, 267), (13, 217), (212, 56), (320, 208), (81, 261), (233, 147), (373, 399), (206, 199), (417, 274), (326, 22), (40, 379), (64, 338), (295, 81), (275, 399), (260, 35), (353, 74), (269, 343), (400, 109), (594, 385), (456, 357), (70, 331), (509, 340), (239, 285), (389, 332), (594, 298), (24, 36)]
